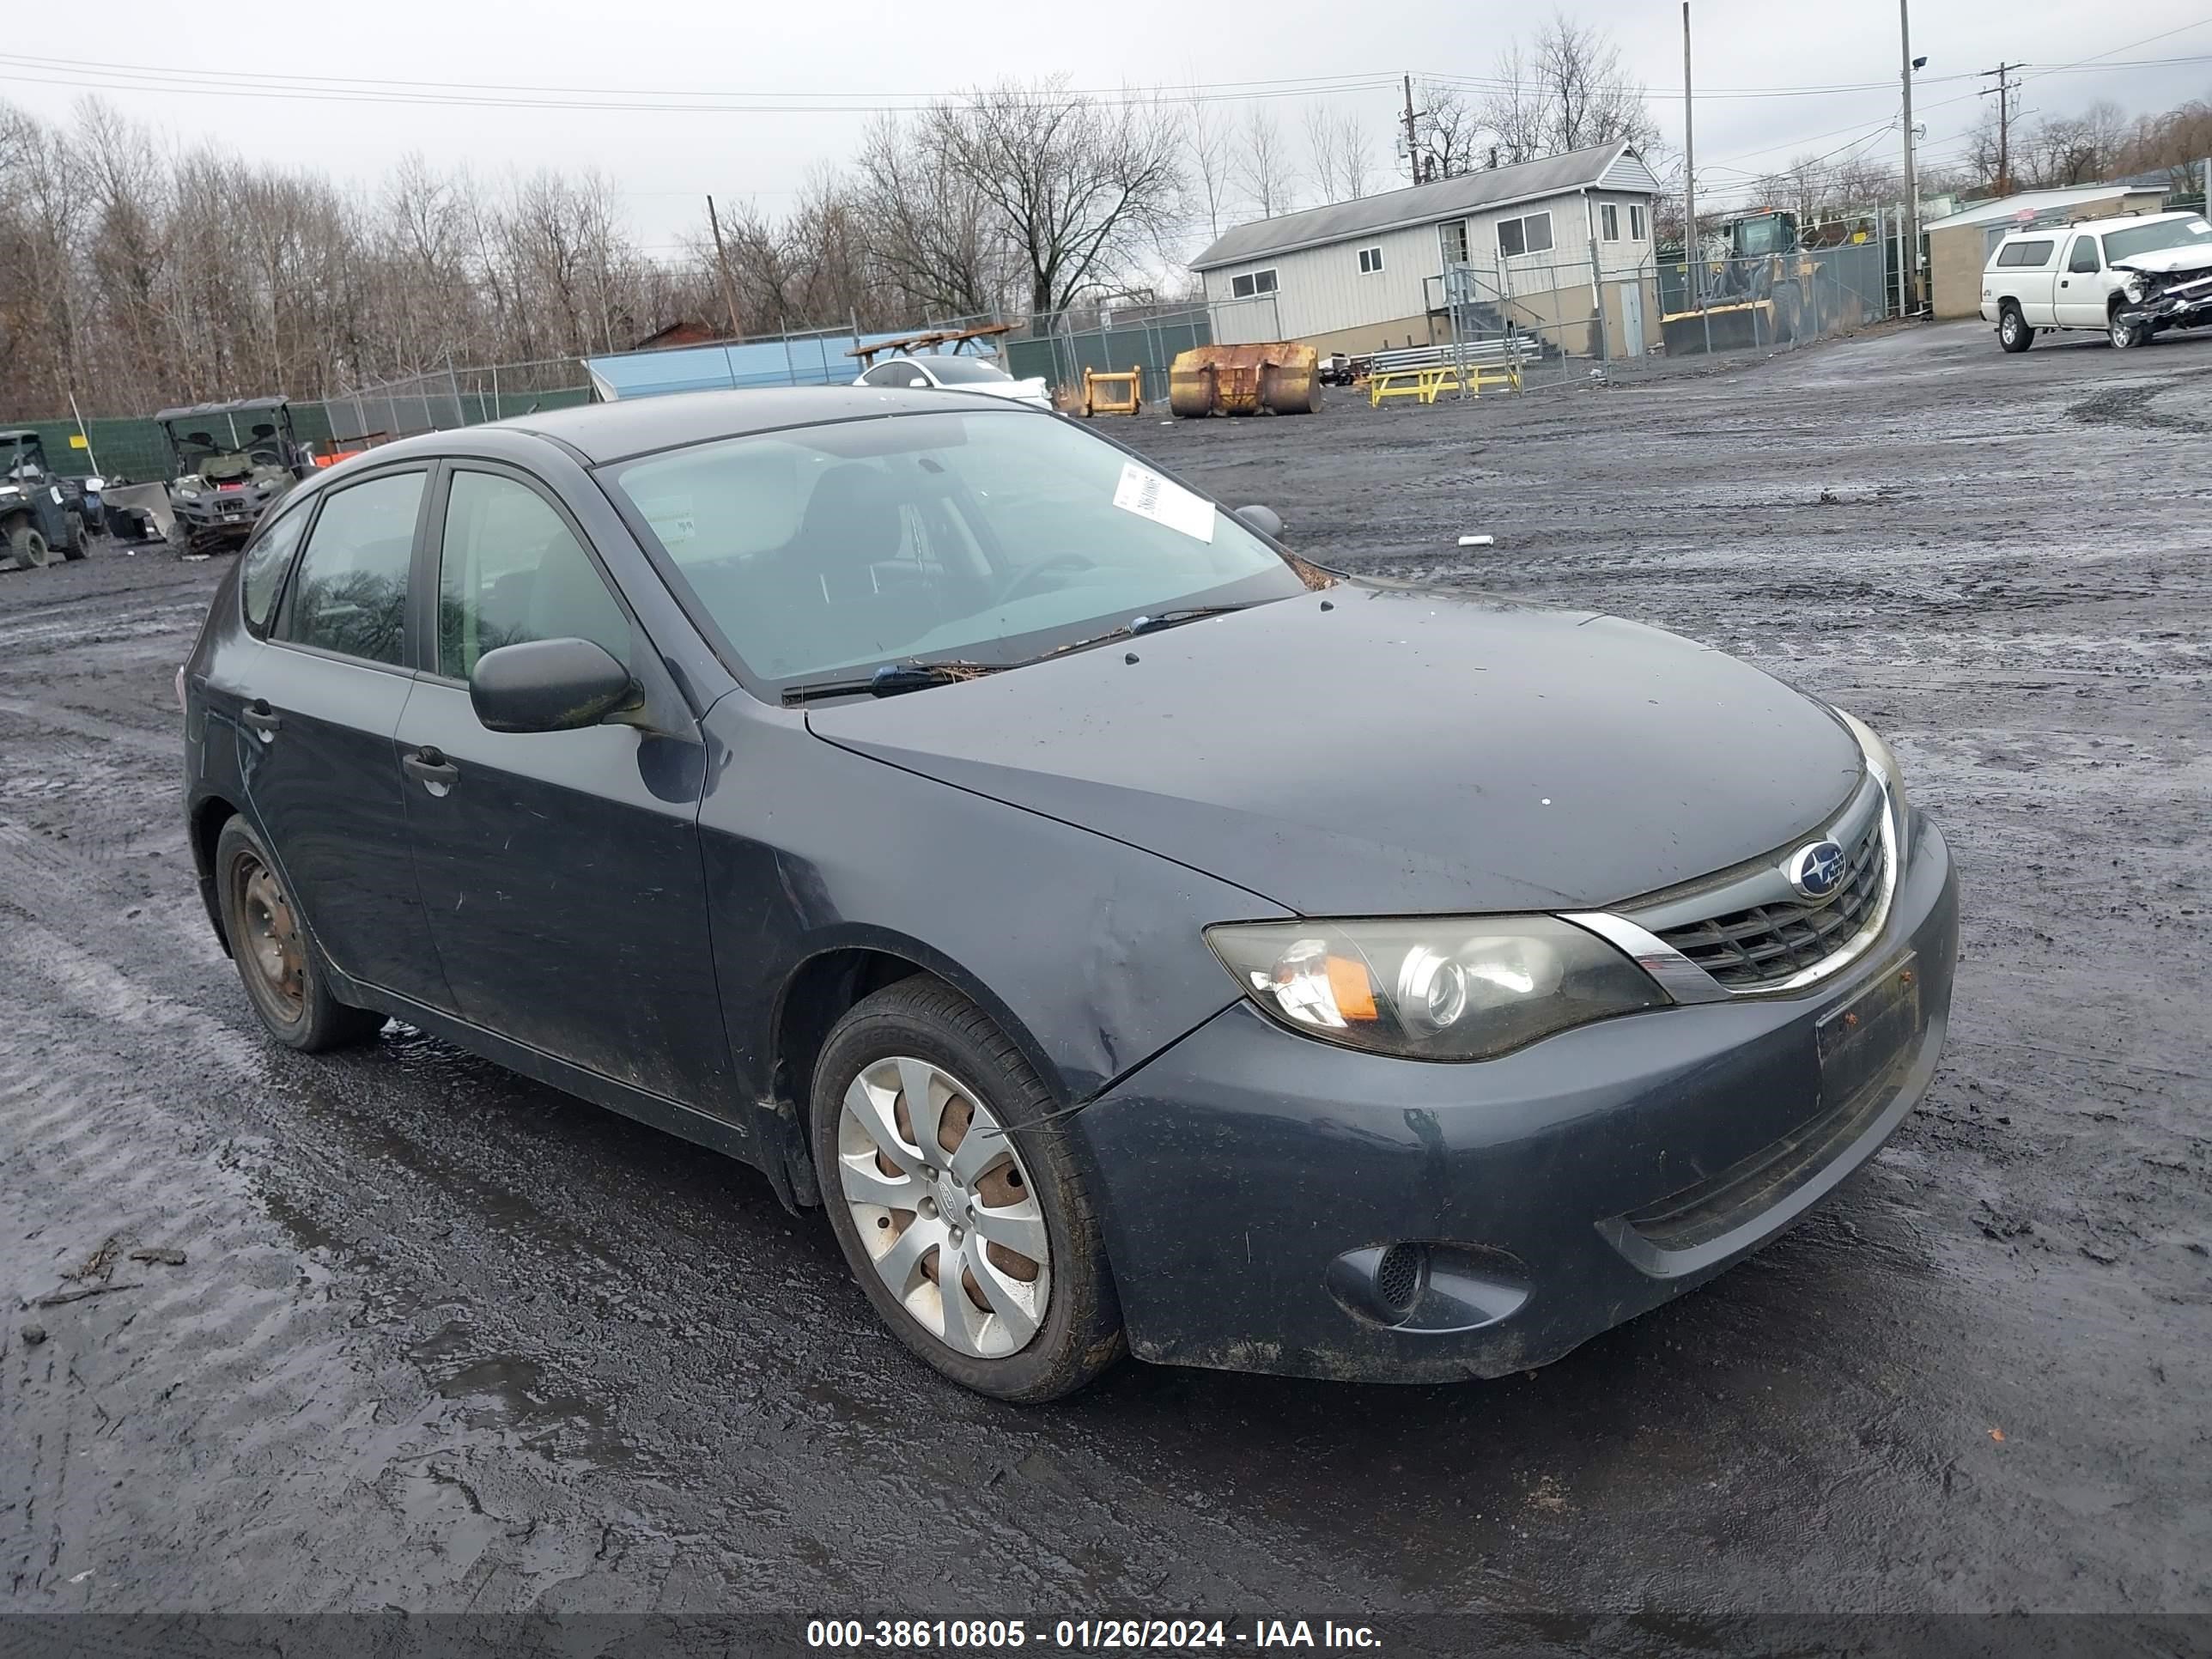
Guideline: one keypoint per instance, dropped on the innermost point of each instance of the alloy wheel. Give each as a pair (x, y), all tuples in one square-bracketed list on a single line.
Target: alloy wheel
[(945, 1206)]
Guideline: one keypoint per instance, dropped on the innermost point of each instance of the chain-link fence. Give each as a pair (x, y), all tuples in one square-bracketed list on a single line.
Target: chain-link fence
[(449, 397)]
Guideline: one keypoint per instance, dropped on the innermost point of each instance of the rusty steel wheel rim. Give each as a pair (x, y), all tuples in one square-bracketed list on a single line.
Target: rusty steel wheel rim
[(940, 1197), (272, 944)]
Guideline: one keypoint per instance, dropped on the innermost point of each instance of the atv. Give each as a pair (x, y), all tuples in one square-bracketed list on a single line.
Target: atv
[(229, 463), (38, 519)]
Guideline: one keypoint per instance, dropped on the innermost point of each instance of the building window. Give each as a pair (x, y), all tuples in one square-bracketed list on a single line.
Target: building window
[(1371, 261), (1251, 284), (1609, 222), (1528, 235), (1452, 235), (1635, 224)]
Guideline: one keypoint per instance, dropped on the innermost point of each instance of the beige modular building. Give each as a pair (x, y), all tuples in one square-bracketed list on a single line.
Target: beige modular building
[(1562, 244)]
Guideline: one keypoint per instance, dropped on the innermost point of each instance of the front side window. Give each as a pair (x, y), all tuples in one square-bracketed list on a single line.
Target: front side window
[(263, 575), (973, 536), (511, 570), (2085, 256), (350, 596), (967, 371)]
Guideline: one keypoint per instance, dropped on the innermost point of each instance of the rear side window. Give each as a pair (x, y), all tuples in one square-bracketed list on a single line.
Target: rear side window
[(351, 593), (513, 571), (2026, 253), (262, 576), (2085, 256)]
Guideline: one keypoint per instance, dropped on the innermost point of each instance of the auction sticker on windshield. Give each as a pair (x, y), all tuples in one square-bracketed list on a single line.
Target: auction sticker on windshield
[(1147, 495)]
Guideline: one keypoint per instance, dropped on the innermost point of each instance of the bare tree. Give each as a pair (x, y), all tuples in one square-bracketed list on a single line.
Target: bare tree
[(933, 233), (1568, 89), (1263, 165), (1207, 149), (1080, 188), (1342, 165), (1449, 134)]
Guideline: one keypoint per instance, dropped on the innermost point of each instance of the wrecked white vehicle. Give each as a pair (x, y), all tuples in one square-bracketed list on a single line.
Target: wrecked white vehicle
[(2128, 277)]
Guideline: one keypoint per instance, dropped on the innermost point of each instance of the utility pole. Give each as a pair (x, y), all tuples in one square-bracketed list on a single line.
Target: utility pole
[(1690, 262), (722, 264), (1412, 142), (2003, 90), (1909, 278)]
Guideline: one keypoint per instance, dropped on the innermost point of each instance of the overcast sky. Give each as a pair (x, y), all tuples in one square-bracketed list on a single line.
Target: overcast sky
[(796, 58)]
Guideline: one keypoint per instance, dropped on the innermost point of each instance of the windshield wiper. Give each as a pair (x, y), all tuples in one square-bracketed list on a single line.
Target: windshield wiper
[(888, 681), (1151, 623)]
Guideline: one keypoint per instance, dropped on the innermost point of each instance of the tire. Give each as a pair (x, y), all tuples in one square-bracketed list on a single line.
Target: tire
[(26, 548), (278, 961), (1007, 1348), (179, 539), (2124, 335), (2012, 332), (76, 547)]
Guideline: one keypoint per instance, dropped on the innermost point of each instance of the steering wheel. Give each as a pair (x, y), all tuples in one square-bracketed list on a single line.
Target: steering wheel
[(1026, 577)]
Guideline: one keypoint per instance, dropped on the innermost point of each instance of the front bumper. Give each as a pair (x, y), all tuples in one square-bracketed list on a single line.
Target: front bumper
[(1251, 1179)]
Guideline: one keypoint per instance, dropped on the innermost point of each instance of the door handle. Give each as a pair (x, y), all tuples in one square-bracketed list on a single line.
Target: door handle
[(430, 765), (259, 717), (2062, 281)]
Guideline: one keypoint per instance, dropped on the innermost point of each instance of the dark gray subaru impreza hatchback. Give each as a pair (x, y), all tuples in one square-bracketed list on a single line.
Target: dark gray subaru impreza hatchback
[(1129, 934)]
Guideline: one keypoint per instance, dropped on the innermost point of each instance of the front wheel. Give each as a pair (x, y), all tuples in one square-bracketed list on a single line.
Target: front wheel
[(962, 1213), (2125, 334), (2012, 332), (26, 546)]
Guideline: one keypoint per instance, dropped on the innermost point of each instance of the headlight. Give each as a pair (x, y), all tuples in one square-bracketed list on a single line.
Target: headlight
[(2133, 288), (1449, 988), (1881, 761), (187, 488)]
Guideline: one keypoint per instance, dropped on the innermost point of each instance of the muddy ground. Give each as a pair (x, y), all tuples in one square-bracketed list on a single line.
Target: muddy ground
[(442, 1338)]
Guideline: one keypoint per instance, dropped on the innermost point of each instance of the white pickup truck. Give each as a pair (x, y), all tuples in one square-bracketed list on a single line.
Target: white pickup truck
[(2127, 277)]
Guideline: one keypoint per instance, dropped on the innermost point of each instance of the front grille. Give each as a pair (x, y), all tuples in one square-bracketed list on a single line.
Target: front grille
[(1768, 944)]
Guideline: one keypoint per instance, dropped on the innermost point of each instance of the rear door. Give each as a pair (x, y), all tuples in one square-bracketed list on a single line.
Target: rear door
[(320, 771), (2082, 284), (560, 870)]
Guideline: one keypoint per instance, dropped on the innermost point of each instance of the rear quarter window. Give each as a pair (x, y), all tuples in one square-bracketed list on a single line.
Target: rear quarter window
[(2028, 255), (262, 577)]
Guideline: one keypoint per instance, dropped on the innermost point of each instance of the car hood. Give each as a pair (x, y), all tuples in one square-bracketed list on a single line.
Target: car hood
[(1375, 751), (2165, 261)]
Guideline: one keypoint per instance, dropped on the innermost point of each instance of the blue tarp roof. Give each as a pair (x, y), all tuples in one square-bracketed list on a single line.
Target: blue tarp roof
[(822, 361)]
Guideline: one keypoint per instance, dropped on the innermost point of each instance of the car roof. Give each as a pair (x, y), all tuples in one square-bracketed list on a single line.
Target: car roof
[(18, 434), (613, 431)]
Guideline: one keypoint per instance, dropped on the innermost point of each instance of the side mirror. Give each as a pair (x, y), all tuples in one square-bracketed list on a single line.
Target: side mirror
[(548, 685), (1265, 519)]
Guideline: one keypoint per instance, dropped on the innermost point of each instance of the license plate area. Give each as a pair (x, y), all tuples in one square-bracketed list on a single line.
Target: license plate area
[(1863, 1040)]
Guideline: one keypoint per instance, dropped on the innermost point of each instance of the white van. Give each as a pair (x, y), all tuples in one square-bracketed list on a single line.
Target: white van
[(2127, 277)]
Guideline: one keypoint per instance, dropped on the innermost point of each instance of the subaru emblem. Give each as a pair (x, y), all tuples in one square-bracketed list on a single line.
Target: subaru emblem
[(1815, 871)]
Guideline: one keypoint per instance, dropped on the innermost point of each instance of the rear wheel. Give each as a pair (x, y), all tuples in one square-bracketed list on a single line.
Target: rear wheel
[(2012, 332), (76, 547), (967, 1225), (277, 959)]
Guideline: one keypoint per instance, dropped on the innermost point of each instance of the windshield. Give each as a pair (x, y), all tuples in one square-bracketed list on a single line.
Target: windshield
[(978, 536), (964, 371), (2148, 239)]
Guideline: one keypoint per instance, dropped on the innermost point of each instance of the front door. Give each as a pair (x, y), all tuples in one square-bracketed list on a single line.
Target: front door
[(560, 870), (2082, 284), (315, 740)]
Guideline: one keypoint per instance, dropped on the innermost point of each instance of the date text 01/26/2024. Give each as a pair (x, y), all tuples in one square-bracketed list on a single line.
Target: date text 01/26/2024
[(1084, 1635)]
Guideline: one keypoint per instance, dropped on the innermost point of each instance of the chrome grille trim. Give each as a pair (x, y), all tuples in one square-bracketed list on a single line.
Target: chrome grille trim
[(1642, 932)]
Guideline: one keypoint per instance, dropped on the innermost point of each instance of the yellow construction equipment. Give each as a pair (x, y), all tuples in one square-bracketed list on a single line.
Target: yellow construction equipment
[(1117, 393), (1280, 376), (1768, 291)]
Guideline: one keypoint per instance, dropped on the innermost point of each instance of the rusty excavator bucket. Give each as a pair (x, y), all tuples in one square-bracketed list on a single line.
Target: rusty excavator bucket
[(1280, 376)]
